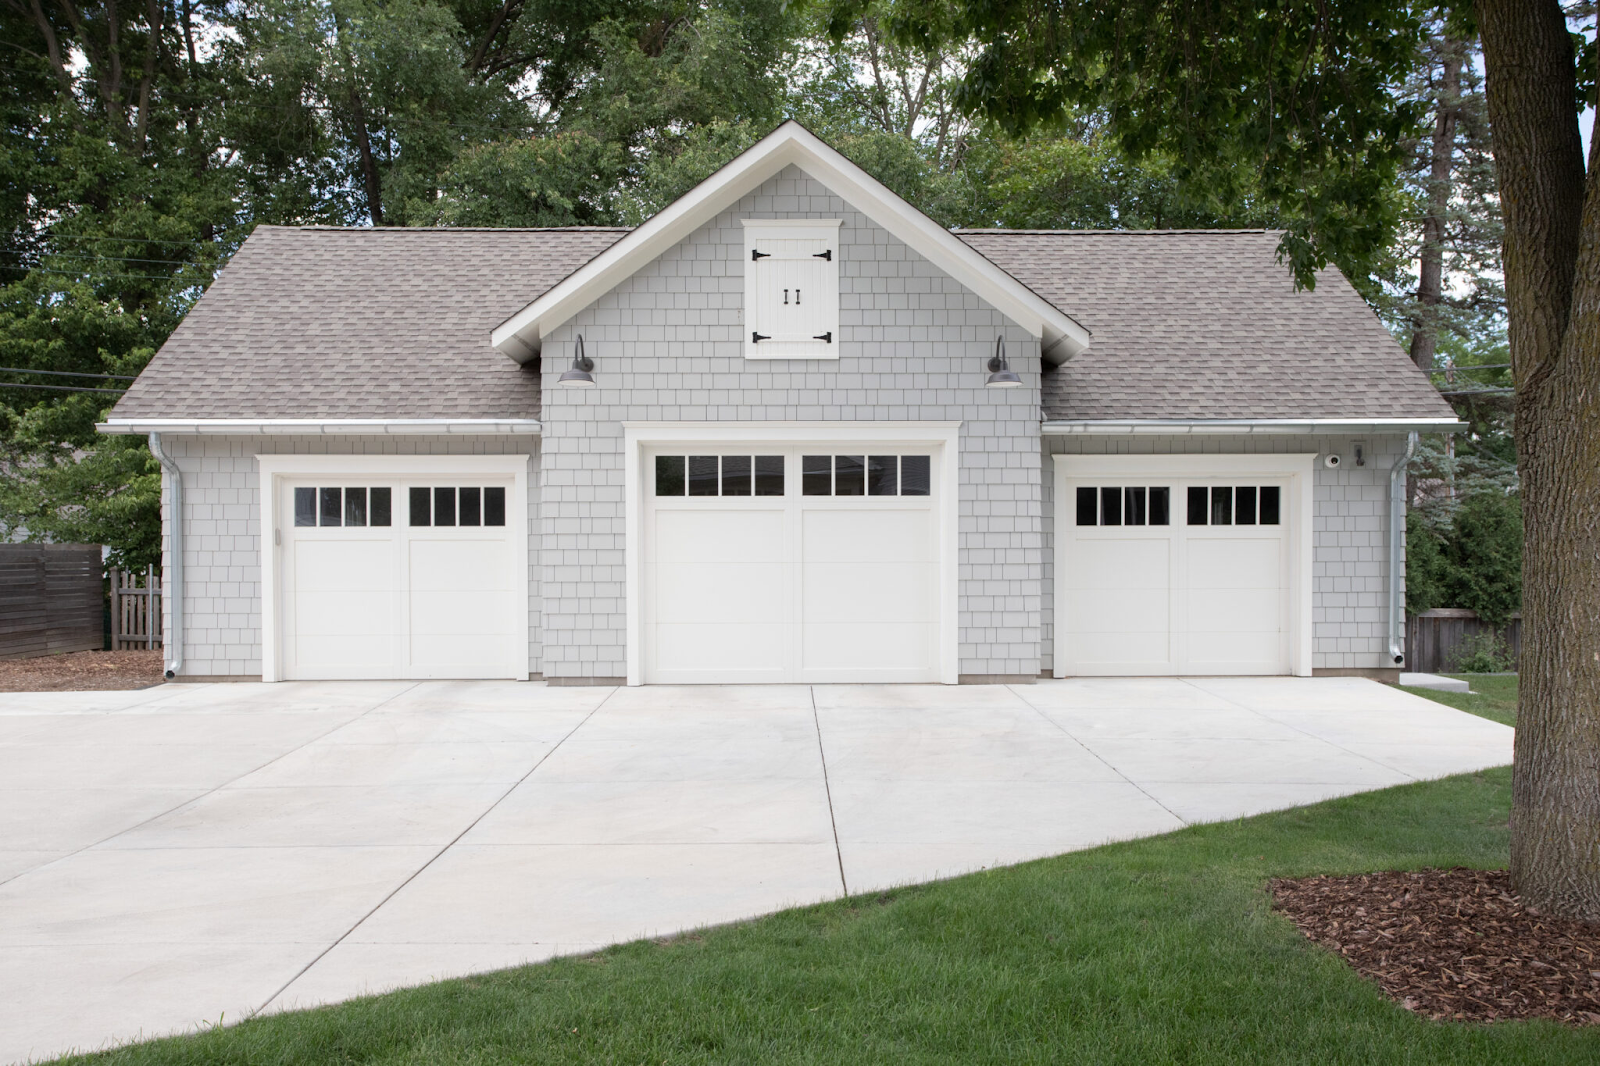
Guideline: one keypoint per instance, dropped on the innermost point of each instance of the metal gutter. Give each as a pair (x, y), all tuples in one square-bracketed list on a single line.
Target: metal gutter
[(173, 641), (527, 427), (1397, 534), (1243, 426)]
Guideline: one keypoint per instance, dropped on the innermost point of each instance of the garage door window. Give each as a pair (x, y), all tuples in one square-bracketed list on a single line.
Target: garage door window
[(719, 475), (1124, 505), (1235, 505), (458, 505), (865, 475), (329, 506)]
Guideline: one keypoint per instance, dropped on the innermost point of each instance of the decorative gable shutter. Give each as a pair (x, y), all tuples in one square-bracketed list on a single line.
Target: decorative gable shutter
[(793, 288)]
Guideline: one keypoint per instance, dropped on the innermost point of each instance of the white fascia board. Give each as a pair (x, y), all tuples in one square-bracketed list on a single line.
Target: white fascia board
[(1241, 426), (791, 143), (348, 427)]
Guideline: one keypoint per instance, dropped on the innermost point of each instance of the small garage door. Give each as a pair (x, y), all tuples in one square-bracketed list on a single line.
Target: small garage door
[(399, 578), (1175, 577), (807, 564)]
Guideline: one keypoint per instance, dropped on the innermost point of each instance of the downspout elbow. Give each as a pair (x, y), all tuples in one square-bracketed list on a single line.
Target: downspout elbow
[(1397, 541), (174, 568)]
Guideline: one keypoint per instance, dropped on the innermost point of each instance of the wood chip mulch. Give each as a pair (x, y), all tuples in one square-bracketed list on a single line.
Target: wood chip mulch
[(82, 670), (1452, 944)]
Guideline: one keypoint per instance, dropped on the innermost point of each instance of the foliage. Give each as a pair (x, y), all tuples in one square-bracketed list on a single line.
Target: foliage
[(1473, 562), (1297, 102), (1482, 653)]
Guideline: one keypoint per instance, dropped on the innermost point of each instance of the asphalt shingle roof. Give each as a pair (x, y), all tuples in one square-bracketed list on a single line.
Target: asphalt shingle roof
[(361, 323), (1207, 324), (394, 323)]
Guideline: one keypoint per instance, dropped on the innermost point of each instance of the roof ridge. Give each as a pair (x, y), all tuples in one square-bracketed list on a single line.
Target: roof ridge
[(450, 229), (1107, 232)]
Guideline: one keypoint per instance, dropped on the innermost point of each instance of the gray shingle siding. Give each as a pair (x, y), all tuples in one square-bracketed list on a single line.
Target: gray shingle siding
[(1350, 551), (668, 346), (222, 550)]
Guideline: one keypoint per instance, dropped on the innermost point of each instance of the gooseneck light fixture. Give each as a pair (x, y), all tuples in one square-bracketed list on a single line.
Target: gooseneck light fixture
[(1001, 376), (581, 366)]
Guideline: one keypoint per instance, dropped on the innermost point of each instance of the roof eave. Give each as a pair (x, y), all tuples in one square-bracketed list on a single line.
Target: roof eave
[(325, 426), (1184, 426), (792, 144)]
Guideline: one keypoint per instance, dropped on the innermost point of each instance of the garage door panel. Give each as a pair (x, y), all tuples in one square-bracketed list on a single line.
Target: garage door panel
[(1243, 651), (1233, 610), (868, 592), (458, 564), (718, 536), (729, 592), (344, 564), (1232, 564), (334, 654), (1119, 610), (868, 535), (460, 654), (475, 613), (1115, 652), (1143, 563), (867, 648), (713, 647)]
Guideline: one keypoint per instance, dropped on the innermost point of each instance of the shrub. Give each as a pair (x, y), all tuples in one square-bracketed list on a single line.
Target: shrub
[(1481, 653), (1473, 559)]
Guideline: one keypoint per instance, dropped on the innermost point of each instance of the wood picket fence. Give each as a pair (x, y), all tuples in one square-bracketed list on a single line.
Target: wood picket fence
[(135, 608)]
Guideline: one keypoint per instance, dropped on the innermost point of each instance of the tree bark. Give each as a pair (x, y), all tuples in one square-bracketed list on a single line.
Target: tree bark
[(1430, 279), (369, 165), (1552, 271)]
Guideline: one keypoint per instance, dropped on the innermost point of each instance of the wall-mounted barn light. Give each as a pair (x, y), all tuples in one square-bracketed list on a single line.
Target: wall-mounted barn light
[(1001, 376), (581, 367)]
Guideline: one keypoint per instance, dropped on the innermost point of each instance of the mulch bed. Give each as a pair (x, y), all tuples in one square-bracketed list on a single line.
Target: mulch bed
[(1452, 944), (80, 670)]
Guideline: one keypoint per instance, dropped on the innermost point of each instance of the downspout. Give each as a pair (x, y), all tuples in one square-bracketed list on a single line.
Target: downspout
[(174, 569), (1397, 542)]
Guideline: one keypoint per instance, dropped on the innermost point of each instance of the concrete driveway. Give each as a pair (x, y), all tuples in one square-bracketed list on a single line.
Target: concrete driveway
[(190, 853)]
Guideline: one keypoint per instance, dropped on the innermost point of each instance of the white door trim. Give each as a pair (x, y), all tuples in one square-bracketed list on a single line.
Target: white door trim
[(1298, 468), (942, 435), (274, 468)]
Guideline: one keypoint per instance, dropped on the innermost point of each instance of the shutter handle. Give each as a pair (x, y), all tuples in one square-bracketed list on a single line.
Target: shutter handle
[(758, 337), (828, 255), (754, 255), (828, 337)]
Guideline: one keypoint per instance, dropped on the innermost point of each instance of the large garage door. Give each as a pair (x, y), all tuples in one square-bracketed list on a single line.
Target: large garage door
[(1175, 577), (801, 564), (399, 578)]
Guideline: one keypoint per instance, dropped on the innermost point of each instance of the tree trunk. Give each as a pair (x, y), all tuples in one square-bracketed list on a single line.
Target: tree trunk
[(1430, 279), (369, 165), (1552, 271)]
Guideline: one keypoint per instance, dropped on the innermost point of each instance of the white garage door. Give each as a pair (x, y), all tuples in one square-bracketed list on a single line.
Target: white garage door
[(772, 564), (399, 578), (1175, 577)]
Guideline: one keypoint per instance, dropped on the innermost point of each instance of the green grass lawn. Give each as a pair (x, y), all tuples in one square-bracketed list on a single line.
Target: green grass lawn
[(1162, 950), (1493, 696)]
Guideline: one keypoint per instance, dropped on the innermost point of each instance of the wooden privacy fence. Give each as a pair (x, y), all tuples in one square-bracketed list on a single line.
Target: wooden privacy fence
[(51, 599), (135, 608), (1432, 637)]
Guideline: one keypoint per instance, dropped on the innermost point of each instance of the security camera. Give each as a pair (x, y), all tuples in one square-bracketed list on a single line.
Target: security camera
[(1331, 462)]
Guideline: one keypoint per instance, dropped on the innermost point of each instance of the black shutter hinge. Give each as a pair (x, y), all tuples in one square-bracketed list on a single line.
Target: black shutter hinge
[(828, 255), (756, 338), (754, 255), (827, 337)]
